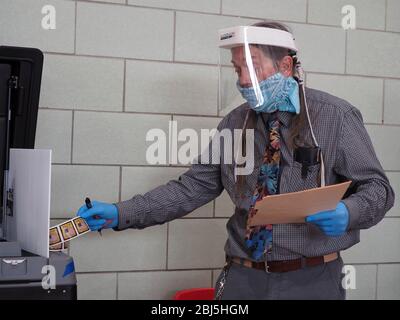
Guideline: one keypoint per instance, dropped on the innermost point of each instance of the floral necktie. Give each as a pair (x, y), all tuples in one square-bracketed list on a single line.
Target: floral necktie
[(259, 238)]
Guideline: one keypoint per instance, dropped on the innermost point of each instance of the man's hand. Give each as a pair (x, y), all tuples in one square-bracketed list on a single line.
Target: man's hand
[(334, 222), (100, 216)]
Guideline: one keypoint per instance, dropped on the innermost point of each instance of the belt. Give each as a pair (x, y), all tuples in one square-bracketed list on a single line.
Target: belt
[(285, 265)]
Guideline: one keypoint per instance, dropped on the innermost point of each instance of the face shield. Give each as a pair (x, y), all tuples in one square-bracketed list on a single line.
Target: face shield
[(251, 68)]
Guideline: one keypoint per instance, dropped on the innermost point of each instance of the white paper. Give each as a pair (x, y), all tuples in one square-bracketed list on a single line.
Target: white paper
[(30, 178)]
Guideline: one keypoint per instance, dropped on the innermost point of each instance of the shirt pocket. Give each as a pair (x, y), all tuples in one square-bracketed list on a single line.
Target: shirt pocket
[(312, 179)]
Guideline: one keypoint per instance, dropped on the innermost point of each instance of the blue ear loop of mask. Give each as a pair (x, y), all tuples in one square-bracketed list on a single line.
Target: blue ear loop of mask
[(279, 93)]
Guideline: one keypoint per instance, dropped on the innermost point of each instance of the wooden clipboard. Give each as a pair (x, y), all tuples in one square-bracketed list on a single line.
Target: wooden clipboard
[(294, 207)]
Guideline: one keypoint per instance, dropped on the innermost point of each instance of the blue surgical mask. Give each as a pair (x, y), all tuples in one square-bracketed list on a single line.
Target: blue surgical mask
[(279, 93)]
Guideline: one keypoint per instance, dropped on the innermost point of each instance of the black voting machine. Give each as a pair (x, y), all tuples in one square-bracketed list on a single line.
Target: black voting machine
[(21, 274)]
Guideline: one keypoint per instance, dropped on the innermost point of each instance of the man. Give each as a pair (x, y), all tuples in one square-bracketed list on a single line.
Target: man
[(303, 139)]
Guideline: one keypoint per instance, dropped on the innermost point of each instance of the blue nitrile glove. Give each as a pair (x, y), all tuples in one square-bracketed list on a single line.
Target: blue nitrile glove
[(334, 222), (100, 216)]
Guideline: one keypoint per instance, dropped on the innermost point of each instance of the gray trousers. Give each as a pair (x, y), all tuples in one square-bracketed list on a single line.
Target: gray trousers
[(310, 283)]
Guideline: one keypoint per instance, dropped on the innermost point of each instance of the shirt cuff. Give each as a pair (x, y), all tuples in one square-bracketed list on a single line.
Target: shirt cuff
[(126, 214), (354, 213)]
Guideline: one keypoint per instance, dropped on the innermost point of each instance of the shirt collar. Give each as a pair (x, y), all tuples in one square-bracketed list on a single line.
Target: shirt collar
[(284, 117)]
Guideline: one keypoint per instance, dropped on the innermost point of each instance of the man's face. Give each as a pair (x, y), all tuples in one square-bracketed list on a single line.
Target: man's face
[(263, 65)]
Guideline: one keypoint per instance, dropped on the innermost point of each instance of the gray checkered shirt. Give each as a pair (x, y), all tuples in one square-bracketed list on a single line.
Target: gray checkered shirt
[(348, 155)]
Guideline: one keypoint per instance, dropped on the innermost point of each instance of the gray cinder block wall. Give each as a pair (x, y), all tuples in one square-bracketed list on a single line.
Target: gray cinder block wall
[(116, 68)]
